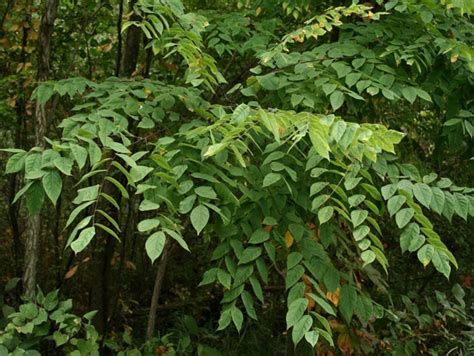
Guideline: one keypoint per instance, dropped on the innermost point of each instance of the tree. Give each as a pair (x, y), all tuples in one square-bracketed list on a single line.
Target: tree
[(41, 121), (271, 132)]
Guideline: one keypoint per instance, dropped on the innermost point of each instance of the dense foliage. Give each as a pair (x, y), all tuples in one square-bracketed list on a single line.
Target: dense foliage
[(297, 171)]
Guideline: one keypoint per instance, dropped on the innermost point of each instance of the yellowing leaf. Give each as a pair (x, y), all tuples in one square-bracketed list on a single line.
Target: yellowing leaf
[(289, 239), (334, 297)]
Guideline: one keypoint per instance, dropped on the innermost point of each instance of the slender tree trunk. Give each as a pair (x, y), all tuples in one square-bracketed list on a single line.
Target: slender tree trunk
[(20, 109), (160, 274), (119, 39), (132, 46), (34, 222)]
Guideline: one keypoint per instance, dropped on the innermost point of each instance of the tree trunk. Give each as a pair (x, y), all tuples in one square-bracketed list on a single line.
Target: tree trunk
[(119, 39), (160, 274), (34, 222), (132, 46)]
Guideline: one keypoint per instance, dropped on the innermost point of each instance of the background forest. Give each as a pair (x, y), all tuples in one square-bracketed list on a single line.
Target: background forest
[(236, 177)]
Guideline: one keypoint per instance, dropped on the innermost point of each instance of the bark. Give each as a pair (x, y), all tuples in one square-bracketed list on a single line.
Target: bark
[(132, 46), (20, 109), (160, 274), (119, 39), (34, 222)]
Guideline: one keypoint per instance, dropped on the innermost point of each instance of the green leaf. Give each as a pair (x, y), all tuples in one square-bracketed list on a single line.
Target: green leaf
[(337, 130), (323, 304), (225, 319), (296, 99), (416, 242), (364, 244), (461, 205), (441, 262), (425, 254), (154, 245), (87, 194), (355, 200), (409, 93), (319, 136), (423, 94), (248, 304), (138, 173), (224, 278), (368, 257), (388, 191), (95, 153), (409, 233), (358, 62), (64, 165), (317, 187), (148, 205), (206, 192), (336, 99), (423, 194), (395, 203), (301, 328), (108, 230), (240, 113), (60, 338), (110, 200), (270, 179), (237, 317), (186, 204), (250, 254), (15, 163), (351, 183), (295, 311), (325, 214), (358, 217), (52, 184), (32, 163), (80, 154), (109, 219), (341, 68), (214, 149), (199, 218), (178, 238), (328, 88), (34, 198), (148, 224), (404, 216), (76, 212), (312, 337), (293, 276), (22, 191), (426, 16), (361, 232), (293, 259), (347, 302), (119, 186), (259, 236), (437, 201), (352, 78), (83, 240), (44, 92), (257, 288)]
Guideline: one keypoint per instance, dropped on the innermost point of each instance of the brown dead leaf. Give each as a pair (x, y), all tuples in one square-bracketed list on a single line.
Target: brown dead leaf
[(71, 272)]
